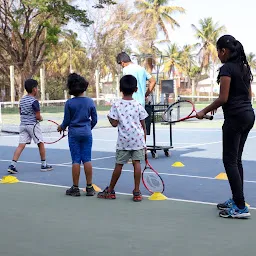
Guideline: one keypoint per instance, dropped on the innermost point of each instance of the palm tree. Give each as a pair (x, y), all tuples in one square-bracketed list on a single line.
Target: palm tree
[(156, 15), (180, 59), (173, 60), (251, 58), (74, 51), (208, 33), (187, 58), (152, 17)]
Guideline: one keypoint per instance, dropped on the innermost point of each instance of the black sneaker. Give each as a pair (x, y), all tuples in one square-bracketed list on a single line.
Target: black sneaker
[(46, 168), (90, 191), (73, 191), (12, 169)]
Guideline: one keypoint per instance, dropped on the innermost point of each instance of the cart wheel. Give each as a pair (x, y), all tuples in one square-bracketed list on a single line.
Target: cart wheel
[(166, 152), (154, 154)]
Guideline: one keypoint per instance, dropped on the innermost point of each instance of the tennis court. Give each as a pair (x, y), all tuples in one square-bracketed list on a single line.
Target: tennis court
[(41, 220)]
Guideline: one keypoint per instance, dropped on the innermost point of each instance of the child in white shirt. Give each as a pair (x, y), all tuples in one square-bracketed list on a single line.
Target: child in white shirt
[(129, 116)]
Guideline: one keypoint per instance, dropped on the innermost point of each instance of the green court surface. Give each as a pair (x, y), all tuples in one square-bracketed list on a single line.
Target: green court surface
[(38, 220)]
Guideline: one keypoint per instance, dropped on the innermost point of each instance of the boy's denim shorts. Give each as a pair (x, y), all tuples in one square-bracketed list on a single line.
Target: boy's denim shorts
[(80, 149)]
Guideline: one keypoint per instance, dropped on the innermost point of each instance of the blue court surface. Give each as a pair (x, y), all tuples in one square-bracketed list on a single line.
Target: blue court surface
[(37, 218), (198, 149)]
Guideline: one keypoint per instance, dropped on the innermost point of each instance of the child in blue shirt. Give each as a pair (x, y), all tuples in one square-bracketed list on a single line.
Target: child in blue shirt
[(80, 117)]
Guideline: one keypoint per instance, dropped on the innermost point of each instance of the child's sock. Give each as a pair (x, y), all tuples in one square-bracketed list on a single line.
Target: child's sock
[(43, 163), (14, 163), (75, 186), (89, 185)]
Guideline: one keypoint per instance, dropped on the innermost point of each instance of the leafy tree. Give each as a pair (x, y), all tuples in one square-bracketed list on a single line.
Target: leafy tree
[(251, 58), (28, 30)]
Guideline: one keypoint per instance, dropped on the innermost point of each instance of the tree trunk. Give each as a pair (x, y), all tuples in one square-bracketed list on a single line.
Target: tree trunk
[(149, 65), (20, 80)]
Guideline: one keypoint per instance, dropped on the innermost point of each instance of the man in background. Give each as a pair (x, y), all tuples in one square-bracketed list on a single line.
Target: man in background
[(142, 76)]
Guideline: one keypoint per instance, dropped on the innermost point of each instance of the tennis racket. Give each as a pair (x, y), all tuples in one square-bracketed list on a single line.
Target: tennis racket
[(49, 130), (180, 111), (151, 179)]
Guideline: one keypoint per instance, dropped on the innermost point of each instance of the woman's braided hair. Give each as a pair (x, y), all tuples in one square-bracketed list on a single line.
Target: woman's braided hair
[(237, 56)]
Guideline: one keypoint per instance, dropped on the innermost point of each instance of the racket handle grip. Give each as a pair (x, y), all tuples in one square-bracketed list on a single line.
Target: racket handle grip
[(208, 117)]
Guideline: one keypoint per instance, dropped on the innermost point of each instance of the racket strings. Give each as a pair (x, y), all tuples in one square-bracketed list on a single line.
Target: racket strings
[(178, 111), (153, 181), (49, 131)]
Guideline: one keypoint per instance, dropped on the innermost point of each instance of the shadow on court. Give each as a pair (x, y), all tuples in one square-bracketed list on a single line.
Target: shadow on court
[(42, 221)]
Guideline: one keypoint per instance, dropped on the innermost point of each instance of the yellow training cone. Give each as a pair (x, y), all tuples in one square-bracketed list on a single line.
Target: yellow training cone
[(157, 196), (221, 176), (178, 164), (9, 180)]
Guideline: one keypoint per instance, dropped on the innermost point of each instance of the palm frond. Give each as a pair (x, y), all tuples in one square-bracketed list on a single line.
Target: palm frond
[(142, 4), (169, 20), (171, 9)]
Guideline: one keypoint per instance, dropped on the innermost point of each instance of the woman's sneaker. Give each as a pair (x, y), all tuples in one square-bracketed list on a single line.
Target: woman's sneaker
[(105, 194), (235, 212), (226, 205), (73, 191)]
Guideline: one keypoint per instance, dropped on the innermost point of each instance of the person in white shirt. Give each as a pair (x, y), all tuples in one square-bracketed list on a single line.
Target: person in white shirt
[(142, 76), (129, 116)]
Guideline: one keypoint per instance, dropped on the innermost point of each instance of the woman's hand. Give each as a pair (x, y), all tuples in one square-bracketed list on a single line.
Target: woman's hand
[(213, 112), (200, 114)]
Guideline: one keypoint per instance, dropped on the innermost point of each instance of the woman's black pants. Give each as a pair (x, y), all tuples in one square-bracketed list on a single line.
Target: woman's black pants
[(235, 131)]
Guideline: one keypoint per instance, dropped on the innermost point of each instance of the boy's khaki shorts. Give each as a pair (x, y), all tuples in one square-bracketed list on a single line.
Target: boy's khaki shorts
[(123, 156)]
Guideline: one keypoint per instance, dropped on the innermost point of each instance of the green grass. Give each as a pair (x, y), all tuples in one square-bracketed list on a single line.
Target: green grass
[(47, 109)]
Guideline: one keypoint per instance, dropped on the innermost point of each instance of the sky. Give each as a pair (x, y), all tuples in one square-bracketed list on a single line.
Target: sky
[(239, 18)]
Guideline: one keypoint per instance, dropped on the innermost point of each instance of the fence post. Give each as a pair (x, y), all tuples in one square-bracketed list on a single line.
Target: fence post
[(42, 83), (193, 88), (97, 80), (117, 86), (1, 113), (47, 98), (12, 84), (65, 95)]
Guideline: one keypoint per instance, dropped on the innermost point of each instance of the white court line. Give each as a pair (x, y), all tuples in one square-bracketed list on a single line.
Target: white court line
[(208, 143), (131, 171), (148, 142), (174, 174), (94, 159), (128, 194), (100, 158), (37, 163)]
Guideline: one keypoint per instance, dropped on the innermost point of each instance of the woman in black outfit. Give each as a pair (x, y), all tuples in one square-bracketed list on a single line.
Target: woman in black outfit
[(235, 79)]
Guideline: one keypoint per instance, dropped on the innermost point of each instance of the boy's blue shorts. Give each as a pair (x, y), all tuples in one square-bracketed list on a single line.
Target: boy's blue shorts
[(80, 148)]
